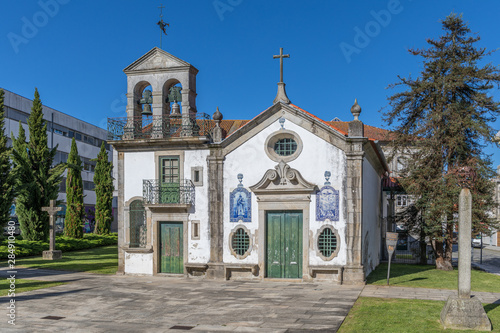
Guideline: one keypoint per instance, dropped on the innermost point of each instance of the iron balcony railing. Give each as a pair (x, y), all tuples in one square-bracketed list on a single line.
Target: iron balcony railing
[(157, 127), (156, 192)]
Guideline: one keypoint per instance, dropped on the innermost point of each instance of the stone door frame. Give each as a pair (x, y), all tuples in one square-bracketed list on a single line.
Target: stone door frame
[(281, 202)]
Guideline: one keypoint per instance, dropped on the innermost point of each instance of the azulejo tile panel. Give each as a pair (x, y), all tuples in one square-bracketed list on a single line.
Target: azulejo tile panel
[(327, 204), (240, 205)]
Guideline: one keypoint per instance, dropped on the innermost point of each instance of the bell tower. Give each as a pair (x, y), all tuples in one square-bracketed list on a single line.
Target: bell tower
[(156, 83)]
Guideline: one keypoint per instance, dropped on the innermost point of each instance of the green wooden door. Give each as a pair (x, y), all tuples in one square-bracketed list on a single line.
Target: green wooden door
[(284, 244), (169, 179), (171, 248)]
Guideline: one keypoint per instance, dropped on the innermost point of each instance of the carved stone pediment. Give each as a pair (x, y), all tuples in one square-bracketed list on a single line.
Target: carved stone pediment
[(156, 59), (283, 179)]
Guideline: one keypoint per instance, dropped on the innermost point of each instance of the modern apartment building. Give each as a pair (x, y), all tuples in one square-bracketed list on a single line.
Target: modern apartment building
[(61, 128)]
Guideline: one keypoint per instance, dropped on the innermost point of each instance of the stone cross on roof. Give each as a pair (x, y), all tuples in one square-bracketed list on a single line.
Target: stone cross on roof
[(281, 96), (281, 56)]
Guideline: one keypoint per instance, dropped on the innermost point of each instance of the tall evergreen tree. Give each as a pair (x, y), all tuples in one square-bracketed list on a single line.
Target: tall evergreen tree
[(104, 192), (73, 225), (37, 182), (443, 123), (6, 177)]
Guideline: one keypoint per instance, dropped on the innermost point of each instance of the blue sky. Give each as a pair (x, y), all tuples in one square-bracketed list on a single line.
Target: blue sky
[(74, 51)]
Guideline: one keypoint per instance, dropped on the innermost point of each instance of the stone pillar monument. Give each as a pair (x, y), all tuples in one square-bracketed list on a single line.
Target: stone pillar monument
[(464, 312), (354, 271)]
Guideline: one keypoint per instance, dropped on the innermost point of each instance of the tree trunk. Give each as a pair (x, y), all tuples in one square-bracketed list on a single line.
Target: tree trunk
[(441, 262), (449, 244), (423, 245)]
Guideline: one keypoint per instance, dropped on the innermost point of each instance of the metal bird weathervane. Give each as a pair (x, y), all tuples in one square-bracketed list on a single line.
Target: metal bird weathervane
[(162, 24)]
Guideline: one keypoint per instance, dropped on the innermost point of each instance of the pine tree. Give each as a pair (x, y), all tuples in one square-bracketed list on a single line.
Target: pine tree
[(6, 177), (442, 124), (104, 192), (73, 223), (36, 181)]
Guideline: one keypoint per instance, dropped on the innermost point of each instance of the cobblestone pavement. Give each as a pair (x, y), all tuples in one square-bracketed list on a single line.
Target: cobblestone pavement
[(98, 303)]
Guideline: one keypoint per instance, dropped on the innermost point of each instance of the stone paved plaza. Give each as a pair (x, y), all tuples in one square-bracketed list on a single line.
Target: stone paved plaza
[(97, 303), (111, 303)]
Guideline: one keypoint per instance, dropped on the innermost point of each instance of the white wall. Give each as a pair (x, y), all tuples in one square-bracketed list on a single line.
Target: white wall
[(317, 156), (137, 166), (371, 217), (139, 263), (198, 250)]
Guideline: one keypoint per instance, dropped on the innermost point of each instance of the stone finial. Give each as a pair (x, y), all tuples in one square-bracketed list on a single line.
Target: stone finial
[(217, 116), (240, 179), (356, 109), (217, 130)]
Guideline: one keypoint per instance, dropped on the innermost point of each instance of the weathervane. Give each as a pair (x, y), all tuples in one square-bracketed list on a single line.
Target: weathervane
[(162, 24)]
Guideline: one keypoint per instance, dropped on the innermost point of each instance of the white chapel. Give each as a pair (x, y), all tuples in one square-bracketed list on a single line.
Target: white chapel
[(284, 195)]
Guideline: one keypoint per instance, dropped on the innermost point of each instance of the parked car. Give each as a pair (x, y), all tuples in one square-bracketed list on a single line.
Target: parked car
[(476, 242)]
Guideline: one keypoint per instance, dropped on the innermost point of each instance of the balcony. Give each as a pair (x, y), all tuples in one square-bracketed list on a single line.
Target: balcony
[(159, 127), (174, 195)]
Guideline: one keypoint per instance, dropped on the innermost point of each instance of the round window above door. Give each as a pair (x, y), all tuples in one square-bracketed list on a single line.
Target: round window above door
[(283, 145)]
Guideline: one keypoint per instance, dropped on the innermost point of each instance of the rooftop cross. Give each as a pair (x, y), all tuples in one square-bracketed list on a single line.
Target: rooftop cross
[(281, 56)]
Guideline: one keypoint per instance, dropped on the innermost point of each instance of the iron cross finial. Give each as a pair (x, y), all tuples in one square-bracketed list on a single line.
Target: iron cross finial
[(281, 56)]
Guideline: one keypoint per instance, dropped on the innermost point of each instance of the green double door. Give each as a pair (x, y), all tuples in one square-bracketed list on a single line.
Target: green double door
[(284, 244), (171, 248)]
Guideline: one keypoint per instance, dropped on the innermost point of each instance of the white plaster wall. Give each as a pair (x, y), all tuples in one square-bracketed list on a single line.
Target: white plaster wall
[(317, 156), (137, 166), (371, 217), (198, 250), (139, 263)]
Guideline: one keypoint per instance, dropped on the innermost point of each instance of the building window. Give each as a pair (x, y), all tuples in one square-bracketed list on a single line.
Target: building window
[(402, 200), (328, 242), (285, 147), (197, 176), (138, 226), (78, 136), (195, 230), (240, 242)]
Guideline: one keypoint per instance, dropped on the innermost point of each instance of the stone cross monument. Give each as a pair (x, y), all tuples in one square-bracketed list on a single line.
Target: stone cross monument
[(52, 253), (464, 312)]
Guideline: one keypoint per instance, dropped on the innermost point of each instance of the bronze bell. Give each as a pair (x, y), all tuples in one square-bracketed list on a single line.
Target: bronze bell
[(176, 110), (146, 111), (146, 100)]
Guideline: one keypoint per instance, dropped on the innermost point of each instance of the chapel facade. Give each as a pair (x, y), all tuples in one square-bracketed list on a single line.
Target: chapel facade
[(284, 195)]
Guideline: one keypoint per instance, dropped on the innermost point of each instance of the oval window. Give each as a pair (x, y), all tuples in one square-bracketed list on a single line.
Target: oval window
[(240, 242), (285, 147), (327, 242)]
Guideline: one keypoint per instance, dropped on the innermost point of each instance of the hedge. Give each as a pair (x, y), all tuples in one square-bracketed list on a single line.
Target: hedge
[(25, 248)]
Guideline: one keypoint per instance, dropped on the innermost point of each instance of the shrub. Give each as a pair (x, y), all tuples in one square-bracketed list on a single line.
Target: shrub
[(25, 248)]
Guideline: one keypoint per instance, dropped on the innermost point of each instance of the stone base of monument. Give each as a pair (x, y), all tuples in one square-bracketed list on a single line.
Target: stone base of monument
[(465, 314), (52, 255)]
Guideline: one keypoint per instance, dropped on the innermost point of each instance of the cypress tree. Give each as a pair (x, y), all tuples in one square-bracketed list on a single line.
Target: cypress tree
[(104, 192), (6, 177), (74, 195), (37, 182), (443, 123)]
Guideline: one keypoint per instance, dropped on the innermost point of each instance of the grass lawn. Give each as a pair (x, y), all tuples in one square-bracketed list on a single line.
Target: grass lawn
[(100, 260), (25, 285), (427, 276), (402, 315)]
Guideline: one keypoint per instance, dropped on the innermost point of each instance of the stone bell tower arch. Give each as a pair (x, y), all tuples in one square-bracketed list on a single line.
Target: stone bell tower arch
[(161, 70)]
